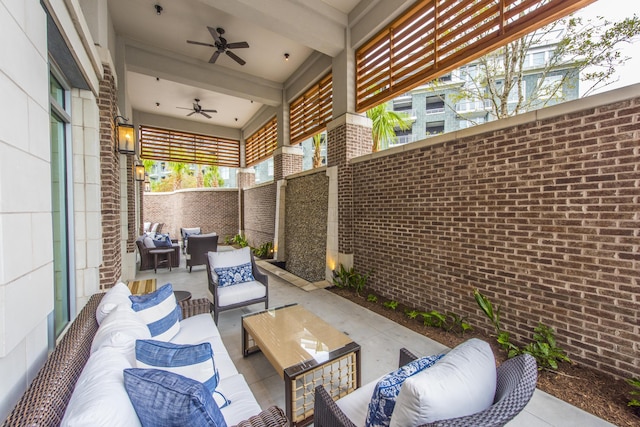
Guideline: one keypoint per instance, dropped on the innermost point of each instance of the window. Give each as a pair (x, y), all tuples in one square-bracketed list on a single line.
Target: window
[(60, 202), (432, 38), (550, 87), (514, 94)]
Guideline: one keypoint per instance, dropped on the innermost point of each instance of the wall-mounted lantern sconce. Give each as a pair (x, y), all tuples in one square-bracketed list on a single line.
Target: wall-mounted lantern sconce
[(138, 171), (125, 137)]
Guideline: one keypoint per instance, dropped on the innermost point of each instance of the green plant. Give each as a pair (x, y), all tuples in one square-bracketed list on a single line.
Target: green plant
[(349, 278), (372, 298), (503, 337), (635, 392), (265, 250), (391, 305), (457, 323), (545, 349), (434, 318), (411, 314), (238, 239)]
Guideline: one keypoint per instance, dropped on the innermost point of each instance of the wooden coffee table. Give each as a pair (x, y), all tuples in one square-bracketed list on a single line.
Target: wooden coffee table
[(306, 352)]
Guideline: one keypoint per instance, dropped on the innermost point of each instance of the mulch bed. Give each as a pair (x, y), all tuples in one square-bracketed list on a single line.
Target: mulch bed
[(593, 391)]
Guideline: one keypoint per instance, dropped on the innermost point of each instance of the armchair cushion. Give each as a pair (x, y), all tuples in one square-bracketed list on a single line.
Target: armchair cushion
[(462, 383), (387, 388), (247, 291), (226, 259), (174, 399), (159, 311)]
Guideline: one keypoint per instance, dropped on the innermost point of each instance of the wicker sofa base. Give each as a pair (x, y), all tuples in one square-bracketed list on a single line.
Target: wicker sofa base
[(44, 403)]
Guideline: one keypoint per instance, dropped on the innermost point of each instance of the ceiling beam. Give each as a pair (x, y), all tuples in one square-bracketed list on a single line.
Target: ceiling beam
[(310, 25), (186, 71)]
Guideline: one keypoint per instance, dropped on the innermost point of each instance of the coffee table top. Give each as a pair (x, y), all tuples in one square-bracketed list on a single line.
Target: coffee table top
[(290, 335)]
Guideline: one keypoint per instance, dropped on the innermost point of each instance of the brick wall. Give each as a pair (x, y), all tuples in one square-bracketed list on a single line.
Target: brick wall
[(307, 199), (543, 217), (111, 268), (260, 214), (214, 210)]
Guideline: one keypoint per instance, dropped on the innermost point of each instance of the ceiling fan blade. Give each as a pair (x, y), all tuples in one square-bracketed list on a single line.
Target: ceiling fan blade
[(214, 57), (214, 34), (191, 113), (205, 114), (237, 45), (184, 108), (200, 43), (209, 111), (235, 57)]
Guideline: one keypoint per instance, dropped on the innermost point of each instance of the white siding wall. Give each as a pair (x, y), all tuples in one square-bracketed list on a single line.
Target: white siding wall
[(26, 254)]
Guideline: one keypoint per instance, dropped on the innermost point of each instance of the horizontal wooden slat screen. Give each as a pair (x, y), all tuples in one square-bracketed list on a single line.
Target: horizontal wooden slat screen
[(262, 143), (185, 147), (435, 37), (310, 112)]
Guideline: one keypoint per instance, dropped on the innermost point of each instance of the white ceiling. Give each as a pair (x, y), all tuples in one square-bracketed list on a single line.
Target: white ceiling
[(270, 27)]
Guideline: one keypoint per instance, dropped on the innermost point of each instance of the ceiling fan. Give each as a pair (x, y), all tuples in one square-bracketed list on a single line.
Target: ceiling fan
[(197, 108), (222, 45)]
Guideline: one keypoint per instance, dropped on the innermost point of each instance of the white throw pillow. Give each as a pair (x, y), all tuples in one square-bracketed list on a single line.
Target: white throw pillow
[(99, 398), (115, 296), (148, 241), (120, 330), (462, 383)]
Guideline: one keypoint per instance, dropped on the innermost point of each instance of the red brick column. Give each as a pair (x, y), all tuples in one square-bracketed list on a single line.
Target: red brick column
[(111, 267), (287, 160), (348, 136)]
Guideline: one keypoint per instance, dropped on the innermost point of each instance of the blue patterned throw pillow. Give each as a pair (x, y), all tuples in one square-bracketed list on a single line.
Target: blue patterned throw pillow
[(162, 241), (169, 399), (383, 400), (228, 276)]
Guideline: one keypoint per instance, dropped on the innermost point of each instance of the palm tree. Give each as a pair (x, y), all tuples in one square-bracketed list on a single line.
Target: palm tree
[(385, 122), (178, 169), (212, 177), (318, 140)]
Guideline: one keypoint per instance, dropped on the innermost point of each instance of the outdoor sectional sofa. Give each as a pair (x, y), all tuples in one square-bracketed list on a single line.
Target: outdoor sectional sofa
[(45, 401)]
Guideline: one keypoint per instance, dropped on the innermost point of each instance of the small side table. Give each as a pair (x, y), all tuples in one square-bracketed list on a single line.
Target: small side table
[(156, 252), (182, 296)]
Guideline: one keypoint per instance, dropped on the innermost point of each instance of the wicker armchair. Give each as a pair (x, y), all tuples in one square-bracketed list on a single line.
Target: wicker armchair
[(258, 275), (198, 247), (146, 259), (516, 383)]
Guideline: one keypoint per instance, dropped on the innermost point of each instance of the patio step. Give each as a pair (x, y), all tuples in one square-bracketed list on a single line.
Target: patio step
[(292, 278)]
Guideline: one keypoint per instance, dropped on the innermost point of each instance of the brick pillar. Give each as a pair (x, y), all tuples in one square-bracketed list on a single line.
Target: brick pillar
[(287, 160), (246, 177), (111, 267), (348, 136), (133, 187)]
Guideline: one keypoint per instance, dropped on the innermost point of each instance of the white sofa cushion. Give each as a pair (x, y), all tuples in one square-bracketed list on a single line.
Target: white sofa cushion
[(119, 294), (462, 383), (243, 403), (99, 398), (241, 292), (120, 330), (159, 311)]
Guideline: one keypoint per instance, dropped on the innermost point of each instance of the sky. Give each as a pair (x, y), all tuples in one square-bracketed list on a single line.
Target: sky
[(617, 10)]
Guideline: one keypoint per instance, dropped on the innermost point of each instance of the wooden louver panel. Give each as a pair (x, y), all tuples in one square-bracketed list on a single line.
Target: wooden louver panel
[(437, 36), (262, 143), (184, 147), (310, 112)]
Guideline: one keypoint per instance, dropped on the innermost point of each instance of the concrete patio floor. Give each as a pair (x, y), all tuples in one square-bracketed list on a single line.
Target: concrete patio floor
[(379, 338)]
